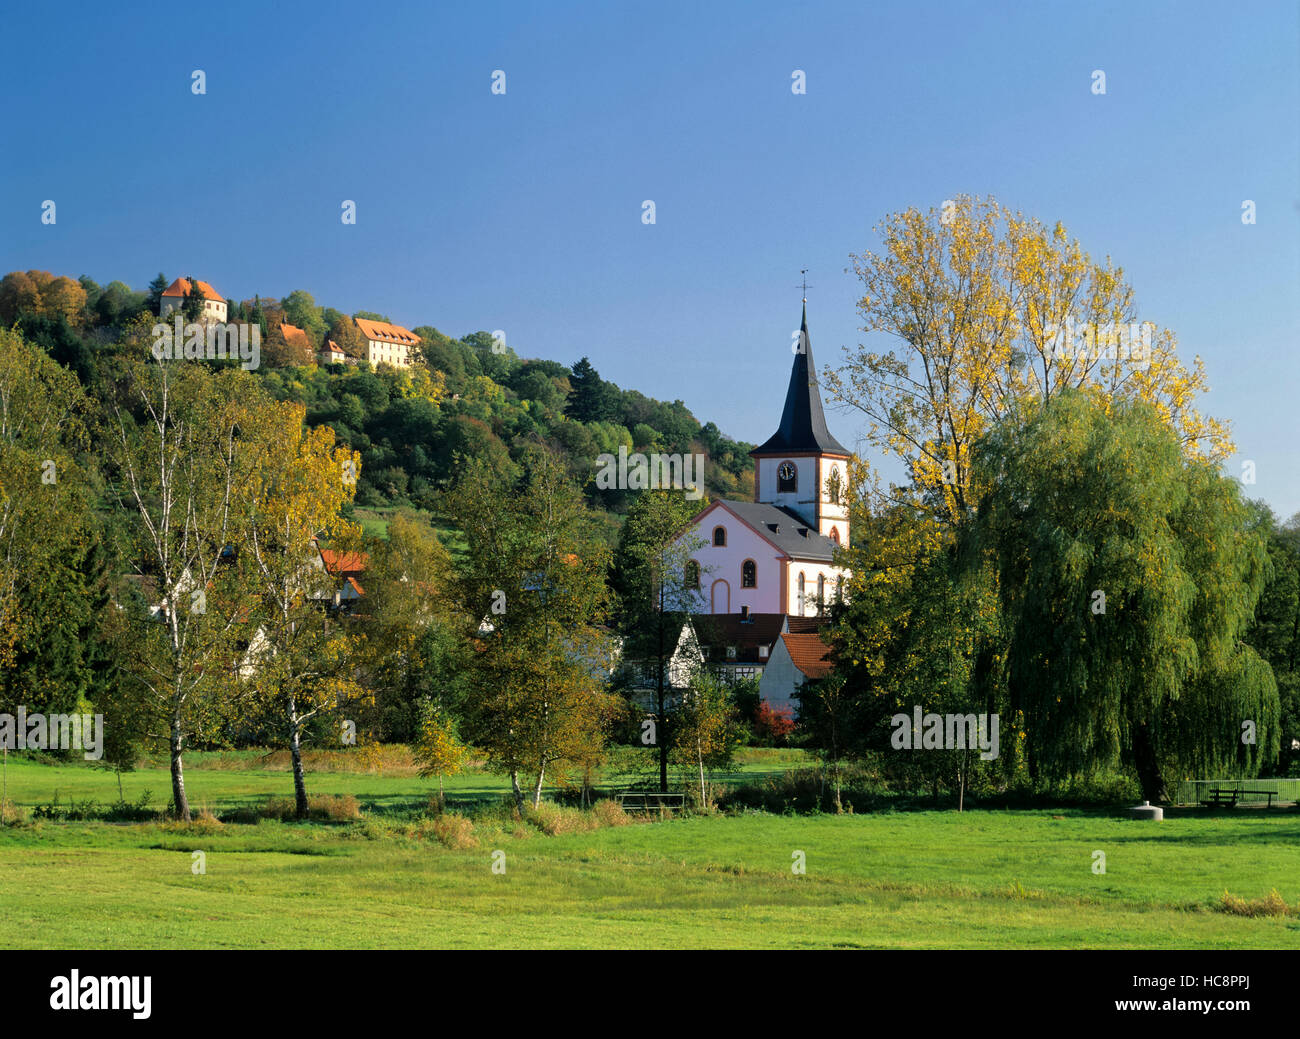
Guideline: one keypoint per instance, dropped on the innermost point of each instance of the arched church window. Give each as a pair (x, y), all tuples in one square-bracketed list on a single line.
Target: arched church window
[(748, 574), (835, 535), (833, 486), (692, 574), (720, 537), (787, 477), (821, 594), (801, 595)]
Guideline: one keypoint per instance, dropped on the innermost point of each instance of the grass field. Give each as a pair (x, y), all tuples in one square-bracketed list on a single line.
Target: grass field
[(889, 879), (231, 779)]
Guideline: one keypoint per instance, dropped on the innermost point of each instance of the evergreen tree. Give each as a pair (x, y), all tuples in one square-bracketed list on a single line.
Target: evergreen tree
[(590, 398), (156, 288)]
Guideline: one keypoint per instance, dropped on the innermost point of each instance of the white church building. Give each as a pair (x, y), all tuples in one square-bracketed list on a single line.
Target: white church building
[(775, 555)]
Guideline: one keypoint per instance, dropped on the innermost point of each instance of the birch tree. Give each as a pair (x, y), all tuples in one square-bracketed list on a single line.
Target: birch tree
[(530, 597), (174, 461)]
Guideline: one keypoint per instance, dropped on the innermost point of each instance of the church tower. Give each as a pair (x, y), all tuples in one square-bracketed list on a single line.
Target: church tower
[(801, 467)]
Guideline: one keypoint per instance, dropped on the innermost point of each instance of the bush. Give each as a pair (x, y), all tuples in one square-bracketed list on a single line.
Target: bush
[(1273, 904), (454, 831), (553, 819), (205, 823), (11, 814), (610, 813), (809, 790), (326, 808)]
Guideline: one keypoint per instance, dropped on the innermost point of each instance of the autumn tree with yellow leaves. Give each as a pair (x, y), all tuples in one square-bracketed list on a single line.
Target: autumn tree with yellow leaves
[(996, 319), (439, 749), (977, 301), (301, 658)]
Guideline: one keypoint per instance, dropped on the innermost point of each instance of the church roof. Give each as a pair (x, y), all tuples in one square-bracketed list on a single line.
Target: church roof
[(803, 423), (785, 529)]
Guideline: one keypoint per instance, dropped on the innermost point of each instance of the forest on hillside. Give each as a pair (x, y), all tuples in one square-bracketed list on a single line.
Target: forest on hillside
[(465, 398)]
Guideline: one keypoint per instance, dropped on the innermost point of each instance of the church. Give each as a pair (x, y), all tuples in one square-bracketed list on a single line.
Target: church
[(774, 555)]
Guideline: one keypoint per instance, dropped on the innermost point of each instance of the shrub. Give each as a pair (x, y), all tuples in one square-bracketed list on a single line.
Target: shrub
[(1273, 904), (553, 819), (454, 831), (320, 808), (335, 809), (808, 790), (610, 813), (204, 822), (11, 814), (773, 725)]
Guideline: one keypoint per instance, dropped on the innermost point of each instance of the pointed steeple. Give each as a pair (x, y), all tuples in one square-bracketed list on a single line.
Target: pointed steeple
[(803, 423)]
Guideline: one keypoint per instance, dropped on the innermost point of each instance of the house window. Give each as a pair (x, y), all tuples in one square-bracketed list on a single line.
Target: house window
[(801, 595), (748, 574), (787, 478), (731, 652), (692, 574), (719, 537)]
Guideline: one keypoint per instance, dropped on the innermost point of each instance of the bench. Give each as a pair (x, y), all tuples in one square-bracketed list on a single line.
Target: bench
[(1221, 798), (1231, 796), (649, 800)]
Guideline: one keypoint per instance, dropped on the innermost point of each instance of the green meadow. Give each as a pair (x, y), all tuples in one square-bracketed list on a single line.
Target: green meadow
[(403, 876)]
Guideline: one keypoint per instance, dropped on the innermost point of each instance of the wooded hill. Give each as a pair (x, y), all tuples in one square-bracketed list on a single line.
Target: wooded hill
[(465, 397)]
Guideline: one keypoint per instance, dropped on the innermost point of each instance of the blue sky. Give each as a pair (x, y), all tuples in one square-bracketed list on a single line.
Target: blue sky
[(522, 212)]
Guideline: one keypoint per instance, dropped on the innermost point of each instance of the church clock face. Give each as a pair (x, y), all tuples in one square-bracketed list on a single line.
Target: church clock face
[(785, 475)]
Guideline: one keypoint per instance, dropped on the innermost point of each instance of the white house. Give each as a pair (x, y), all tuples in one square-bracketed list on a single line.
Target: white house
[(332, 353), (214, 304), (390, 344), (795, 658)]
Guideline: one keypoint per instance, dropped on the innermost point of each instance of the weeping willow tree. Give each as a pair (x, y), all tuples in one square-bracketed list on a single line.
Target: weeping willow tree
[(1128, 574)]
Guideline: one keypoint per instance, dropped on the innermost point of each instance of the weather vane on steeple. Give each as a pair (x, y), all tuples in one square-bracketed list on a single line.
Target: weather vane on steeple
[(804, 272)]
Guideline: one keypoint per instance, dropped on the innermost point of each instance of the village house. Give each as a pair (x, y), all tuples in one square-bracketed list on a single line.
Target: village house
[(297, 339), (389, 344), (332, 353), (795, 659), (214, 304)]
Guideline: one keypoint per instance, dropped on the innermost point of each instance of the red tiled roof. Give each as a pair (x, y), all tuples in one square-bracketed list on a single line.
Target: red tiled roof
[(809, 654), (383, 332), (181, 287), (295, 336), (337, 562)]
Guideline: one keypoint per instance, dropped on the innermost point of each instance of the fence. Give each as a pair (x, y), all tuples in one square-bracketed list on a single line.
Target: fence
[(1249, 791)]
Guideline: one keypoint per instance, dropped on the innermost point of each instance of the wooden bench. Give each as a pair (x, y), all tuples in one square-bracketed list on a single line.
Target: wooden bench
[(649, 800), (1221, 798)]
